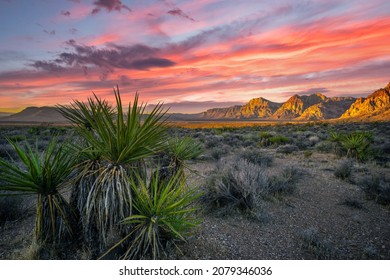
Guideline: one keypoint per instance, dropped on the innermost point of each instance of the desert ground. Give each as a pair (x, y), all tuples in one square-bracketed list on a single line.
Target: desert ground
[(319, 201)]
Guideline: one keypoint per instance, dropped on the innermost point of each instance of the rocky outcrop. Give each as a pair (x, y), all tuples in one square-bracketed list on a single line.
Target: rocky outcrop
[(331, 108), (296, 105), (379, 101), (257, 108)]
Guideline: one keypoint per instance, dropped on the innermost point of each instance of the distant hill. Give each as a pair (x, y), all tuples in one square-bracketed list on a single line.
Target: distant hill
[(4, 114), (36, 114), (375, 106)]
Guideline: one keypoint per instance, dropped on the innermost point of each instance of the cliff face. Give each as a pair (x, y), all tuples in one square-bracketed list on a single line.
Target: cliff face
[(259, 108), (331, 108), (255, 108), (379, 101), (223, 113), (296, 105)]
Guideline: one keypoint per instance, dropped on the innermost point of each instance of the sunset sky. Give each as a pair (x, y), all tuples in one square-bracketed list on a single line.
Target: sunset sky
[(192, 55)]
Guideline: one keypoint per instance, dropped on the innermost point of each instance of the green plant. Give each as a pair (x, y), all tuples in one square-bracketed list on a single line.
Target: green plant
[(179, 150), (357, 144), (115, 148), (44, 175), (164, 211), (279, 139), (82, 114), (265, 134), (336, 138)]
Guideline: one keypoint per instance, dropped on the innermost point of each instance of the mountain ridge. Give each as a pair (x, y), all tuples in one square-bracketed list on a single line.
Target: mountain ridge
[(376, 106)]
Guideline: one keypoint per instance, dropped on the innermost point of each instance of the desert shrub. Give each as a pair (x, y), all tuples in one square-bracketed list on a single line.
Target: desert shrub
[(307, 154), (284, 182), (352, 203), (219, 152), (164, 212), (232, 140), (237, 184), (265, 137), (314, 139), (256, 156), (287, 149), (376, 187), (213, 141), (279, 140), (316, 247), (324, 146), (344, 169), (34, 130)]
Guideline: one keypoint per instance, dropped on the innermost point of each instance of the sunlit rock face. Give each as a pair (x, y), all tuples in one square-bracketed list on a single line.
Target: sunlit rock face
[(296, 105), (377, 102), (254, 109)]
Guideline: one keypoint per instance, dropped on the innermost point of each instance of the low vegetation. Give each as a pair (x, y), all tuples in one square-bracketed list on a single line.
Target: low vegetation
[(131, 186)]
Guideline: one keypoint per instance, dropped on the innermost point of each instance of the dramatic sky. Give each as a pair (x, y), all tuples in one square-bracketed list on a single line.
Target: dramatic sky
[(192, 55)]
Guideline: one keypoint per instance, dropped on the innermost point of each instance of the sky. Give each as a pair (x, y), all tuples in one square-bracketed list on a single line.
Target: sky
[(190, 55)]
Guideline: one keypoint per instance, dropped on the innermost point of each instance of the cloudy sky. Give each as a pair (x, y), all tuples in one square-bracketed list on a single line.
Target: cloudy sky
[(192, 55)]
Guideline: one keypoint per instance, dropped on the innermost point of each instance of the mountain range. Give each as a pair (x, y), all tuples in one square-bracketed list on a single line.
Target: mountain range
[(310, 107), (375, 106)]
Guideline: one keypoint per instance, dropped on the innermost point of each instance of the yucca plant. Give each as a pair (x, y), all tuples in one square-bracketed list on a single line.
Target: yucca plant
[(43, 175), (120, 144), (178, 151), (336, 138), (164, 212), (357, 145), (82, 114)]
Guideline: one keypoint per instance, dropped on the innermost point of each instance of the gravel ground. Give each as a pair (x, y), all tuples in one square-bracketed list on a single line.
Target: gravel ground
[(311, 223)]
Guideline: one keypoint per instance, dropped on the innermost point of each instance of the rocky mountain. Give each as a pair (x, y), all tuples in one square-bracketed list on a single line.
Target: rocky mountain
[(296, 105), (374, 105), (36, 114), (310, 107), (257, 108), (330, 108)]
